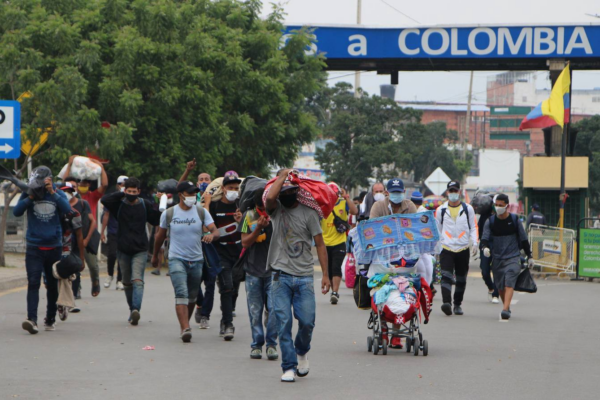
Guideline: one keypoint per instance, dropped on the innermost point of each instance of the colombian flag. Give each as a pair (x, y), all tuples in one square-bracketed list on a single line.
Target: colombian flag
[(552, 111)]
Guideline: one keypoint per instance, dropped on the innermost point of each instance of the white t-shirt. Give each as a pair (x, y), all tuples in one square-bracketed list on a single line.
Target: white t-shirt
[(185, 238)]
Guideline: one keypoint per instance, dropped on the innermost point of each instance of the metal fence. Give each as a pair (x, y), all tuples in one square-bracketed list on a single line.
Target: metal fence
[(553, 248)]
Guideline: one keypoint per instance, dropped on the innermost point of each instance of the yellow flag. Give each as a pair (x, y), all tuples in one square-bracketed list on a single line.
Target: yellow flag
[(558, 105)]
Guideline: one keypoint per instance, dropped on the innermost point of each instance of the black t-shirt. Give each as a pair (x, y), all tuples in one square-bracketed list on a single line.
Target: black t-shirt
[(256, 259), (84, 209), (229, 245)]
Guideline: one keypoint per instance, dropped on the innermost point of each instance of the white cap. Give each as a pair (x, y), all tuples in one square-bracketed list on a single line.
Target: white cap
[(122, 179)]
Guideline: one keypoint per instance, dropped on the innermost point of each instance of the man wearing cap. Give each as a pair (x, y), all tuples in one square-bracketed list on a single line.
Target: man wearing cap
[(43, 204), (109, 222), (227, 217), (417, 198), (536, 217), (185, 223), (295, 226), (395, 203), (459, 229)]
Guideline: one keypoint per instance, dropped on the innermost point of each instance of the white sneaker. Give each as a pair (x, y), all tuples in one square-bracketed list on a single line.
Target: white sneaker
[(303, 367), (108, 281), (495, 300), (288, 376), (490, 297), (119, 286)]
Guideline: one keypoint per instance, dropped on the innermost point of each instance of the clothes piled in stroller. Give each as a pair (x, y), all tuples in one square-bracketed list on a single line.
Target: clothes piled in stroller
[(400, 299)]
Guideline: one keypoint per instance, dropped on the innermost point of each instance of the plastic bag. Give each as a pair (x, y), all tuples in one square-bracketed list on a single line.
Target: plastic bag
[(349, 267), (215, 189), (482, 203), (250, 185), (82, 168), (525, 282), (167, 186)]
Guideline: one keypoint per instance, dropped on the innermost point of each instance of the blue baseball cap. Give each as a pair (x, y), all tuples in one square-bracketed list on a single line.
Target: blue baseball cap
[(395, 185), (416, 196)]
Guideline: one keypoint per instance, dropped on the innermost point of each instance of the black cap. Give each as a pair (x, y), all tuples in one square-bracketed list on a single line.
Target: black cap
[(231, 179), (453, 184), (187, 187)]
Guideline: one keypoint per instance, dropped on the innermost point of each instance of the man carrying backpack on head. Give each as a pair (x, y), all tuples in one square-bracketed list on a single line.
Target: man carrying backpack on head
[(458, 228)]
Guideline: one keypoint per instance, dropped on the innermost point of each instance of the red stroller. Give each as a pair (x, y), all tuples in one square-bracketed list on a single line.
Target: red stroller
[(409, 324)]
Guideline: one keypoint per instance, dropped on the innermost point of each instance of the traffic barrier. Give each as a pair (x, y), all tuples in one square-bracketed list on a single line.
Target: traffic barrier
[(553, 248)]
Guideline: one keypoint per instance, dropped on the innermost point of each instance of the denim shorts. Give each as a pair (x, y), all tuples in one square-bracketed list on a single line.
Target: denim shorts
[(185, 277)]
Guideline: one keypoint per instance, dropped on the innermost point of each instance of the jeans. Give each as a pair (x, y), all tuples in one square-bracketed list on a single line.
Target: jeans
[(457, 264), (91, 260), (36, 262), (486, 272), (133, 267), (112, 243), (185, 277), (297, 293), (206, 300), (258, 292), (225, 282)]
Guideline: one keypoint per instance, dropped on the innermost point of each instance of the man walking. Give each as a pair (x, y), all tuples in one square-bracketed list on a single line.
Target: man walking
[(505, 235), (334, 237), (376, 194), (109, 230), (485, 262), (185, 224), (256, 232), (44, 205), (536, 217), (395, 203), (132, 214), (295, 226), (457, 220)]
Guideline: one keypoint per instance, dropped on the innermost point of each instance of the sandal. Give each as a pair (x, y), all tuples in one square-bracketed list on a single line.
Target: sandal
[(96, 288)]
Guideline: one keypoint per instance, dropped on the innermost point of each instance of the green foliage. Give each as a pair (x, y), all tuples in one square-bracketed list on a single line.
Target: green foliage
[(373, 137), (588, 145), (176, 80)]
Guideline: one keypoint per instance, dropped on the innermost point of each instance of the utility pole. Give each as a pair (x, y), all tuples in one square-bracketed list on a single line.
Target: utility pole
[(468, 121), (357, 73)]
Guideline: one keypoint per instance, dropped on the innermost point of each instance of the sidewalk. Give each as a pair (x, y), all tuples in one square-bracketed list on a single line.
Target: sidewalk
[(15, 276)]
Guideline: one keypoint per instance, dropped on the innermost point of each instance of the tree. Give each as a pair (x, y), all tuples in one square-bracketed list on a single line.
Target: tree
[(588, 145), (175, 80)]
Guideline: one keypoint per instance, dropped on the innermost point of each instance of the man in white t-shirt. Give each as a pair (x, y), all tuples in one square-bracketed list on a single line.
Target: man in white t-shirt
[(184, 223)]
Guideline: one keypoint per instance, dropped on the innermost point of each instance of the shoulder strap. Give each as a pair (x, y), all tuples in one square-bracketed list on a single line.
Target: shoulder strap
[(443, 211), (466, 211), (201, 211), (170, 212), (492, 220)]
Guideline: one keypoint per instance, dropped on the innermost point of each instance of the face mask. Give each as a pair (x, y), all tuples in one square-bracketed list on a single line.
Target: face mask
[(453, 197), (189, 201), (131, 197), (378, 196), (170, 201), (232, 196), (122, 189), (69, 195), (397, 198), (500, 210), (288, 200), (83, 189), (203, 187)]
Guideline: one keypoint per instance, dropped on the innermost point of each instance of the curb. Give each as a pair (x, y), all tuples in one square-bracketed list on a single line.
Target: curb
[(21, 281)]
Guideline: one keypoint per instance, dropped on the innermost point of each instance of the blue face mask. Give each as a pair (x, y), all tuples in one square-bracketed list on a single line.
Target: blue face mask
[(453, 197), (397, 198), (203, 187)]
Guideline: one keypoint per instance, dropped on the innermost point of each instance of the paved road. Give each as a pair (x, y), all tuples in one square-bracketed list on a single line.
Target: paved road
[(549, 350)]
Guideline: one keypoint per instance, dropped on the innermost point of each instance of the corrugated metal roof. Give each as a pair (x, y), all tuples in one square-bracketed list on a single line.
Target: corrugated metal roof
[(446, 107)]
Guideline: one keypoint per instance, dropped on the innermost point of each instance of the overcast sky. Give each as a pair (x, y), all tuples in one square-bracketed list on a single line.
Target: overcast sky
[(442, 86)]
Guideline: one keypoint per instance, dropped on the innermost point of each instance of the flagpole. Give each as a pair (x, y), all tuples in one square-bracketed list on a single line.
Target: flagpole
[(563, 158)]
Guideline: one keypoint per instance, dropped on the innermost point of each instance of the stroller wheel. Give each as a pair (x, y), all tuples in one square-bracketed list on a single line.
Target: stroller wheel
[(384, 348), (416, 347), (375, 346), (425, 348), (369, 344), (408, 344)]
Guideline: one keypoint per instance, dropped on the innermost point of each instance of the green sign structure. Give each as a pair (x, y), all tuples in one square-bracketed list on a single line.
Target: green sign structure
[(589, 253)]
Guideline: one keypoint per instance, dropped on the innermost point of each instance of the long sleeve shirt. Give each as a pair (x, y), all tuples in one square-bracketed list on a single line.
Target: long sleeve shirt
[(508, 236)]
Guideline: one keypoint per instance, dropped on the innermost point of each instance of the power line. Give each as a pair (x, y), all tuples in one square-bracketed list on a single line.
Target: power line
[(394, 8)]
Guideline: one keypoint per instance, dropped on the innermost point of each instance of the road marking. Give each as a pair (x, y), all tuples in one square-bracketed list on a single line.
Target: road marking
[(14, 290)]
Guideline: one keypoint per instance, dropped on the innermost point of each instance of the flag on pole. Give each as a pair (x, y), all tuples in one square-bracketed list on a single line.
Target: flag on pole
[(554, 110)]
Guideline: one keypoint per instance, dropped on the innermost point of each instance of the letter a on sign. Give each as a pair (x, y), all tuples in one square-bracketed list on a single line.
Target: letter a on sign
[(360, 48)]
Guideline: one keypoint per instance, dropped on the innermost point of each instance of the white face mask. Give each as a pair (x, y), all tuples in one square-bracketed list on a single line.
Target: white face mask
[(189, 201), (378, 196), (170, 201), (232, 196), (69, 195), (453, 197), (122, 188), (500, 210)]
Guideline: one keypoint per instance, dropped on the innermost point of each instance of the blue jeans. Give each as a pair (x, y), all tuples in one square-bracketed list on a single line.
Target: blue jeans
[(258, 292), (486, 272), (295, 292), (133, 267), (36, 262), (185, 277), (206, 300)]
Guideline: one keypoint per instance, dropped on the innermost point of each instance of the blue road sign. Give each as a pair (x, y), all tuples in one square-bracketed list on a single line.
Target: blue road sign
[(10, 129)]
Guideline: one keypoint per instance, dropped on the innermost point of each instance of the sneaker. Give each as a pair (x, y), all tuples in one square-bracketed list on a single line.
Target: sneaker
[(197, 315), (303, 368), (119, 286), (222, 329), (288, 376), (505, 314), (458, 310), (335, 297), (108, 281), (156, 272), (134, 317), (272, 353), (447, 308), (229, 331), (204, 323), (49, 324), (63, 313), (186, 335), (30, 326), (495, 300), (256, 354), (490, 296), (233, 314), (75, 310)]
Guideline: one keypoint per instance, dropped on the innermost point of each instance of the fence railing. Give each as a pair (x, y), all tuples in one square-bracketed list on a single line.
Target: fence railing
[(553, 248)]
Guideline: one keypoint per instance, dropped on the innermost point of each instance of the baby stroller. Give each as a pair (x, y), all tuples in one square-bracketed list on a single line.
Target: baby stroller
[(409, 324)]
